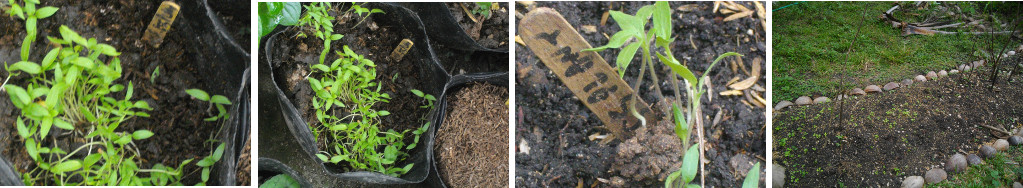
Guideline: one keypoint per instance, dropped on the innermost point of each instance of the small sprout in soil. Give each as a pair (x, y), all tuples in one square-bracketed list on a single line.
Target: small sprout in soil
[(362, 12), (272, 14), (429, 98), (752, 177), (483, 8), (217, 101), (152, 78)]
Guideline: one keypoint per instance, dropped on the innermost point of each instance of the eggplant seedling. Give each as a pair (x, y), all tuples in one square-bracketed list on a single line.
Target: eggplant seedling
[(217, 101)]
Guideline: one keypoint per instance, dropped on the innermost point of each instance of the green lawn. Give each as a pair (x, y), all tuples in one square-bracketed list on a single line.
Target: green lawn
[(810, 42)]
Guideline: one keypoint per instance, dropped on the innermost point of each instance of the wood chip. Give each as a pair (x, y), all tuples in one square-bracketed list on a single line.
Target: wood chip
[(688, 8), (756, 66), (757, 87), (710, 89), (731, 92), (761, 11), (588, 29), (738, 15), (716, 5), (519, 40), (761, 100), (732, 81), (603, 18), (744, 84), (596, 136)]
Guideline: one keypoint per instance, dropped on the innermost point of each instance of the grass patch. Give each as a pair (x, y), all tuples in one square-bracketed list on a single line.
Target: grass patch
[(1000, 171), (811, 40)]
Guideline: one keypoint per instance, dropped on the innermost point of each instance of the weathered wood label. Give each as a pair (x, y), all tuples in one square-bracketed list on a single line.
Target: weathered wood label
[(400, 50), (590, 78), (161, 23)]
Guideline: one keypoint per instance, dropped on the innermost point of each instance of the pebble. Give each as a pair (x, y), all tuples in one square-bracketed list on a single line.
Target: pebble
[(1001, 145), (819, 100), (935, 175), (1017, 185), (987, 151), (857, 91), (588, 29), (913, 182), (804, 100), (966, 68), (890, 86), (920, 78), (974, 160), (907, 82), (953, 71), (931, 75), (957, 163), (872, 89), (778, 176), (942, 73), (1016, 140), (782, 105), (1012, 52), (961, 66)]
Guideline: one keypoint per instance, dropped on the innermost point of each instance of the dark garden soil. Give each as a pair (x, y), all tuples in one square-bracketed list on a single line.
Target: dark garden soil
[(552, 144), (492, 33), (236, 17), (889, 136), (474, 137), (176, 118), (293, 56)]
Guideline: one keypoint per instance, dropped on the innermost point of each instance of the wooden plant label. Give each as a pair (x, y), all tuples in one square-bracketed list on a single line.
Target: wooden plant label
[(161, 23), (400, 50), (590, 78)]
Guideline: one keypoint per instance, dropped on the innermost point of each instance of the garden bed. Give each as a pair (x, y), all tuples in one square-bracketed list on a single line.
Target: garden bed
[(891, 135), (473, 139), (176, 118), (553, 126)]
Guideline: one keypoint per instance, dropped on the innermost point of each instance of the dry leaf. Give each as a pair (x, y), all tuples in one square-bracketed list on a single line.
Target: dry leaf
[(738, 15), (716, 5), (731, 92), (596, 136), (519, 40), (756, 66), (761, 11), (603, 18), (688, 8), (744, 84), (710, 89), (759, 100)]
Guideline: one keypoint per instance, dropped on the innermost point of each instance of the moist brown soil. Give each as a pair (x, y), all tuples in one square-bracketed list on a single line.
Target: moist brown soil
[(888, 136), (236, 17), (176, 119), (491, 33), (293, 55), (555, 125), (474, 138)]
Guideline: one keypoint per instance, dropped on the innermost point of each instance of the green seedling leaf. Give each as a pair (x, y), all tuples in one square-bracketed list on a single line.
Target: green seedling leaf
[(45, 12), (66, 166), (17, 10), (417, 92), (106, 49), (63, 124), (22, 130), (220, 99), (206, 162), (280, 181), (219, 152), (322, 157), (753, 177), (669, 182), (142, 105), (31, 149), (679, 69), (142, 134), (123, 140), (383, 113), (617, 40), (18, 95), (336, 159), (689, 163), (45, 127), (625, 57), (681, 126), (205, 174), (152, 78), (662, 20), (26, 66), (722, 56), (198, 94)]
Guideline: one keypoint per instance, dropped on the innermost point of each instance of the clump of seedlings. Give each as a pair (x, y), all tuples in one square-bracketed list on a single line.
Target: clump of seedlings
[(659, 35), (72, 88), (222, 115), (346, 92)]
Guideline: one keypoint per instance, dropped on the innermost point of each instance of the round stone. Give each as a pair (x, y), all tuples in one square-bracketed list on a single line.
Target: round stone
[(782, 105), (931, 75), (907, 82), (890, 86), (966, 68), (1001, 145), (1015, 140), (819, 100), (953, 71), (1017, 185), (913, 182), (942, 73), (957, 163), (920, 78), (804, 100), (872, 89), (1012, 53), (935, 175), (778, 176), (987, 151), (961, 66), (857, 91), (974, 160)]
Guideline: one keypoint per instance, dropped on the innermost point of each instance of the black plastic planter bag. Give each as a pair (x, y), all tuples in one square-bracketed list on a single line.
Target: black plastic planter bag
[(224, 62), (288, 146), (444, 30), (457, 83)]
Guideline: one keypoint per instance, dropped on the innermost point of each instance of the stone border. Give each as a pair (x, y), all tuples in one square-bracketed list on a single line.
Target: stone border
[(958, 162), (929, 76)]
